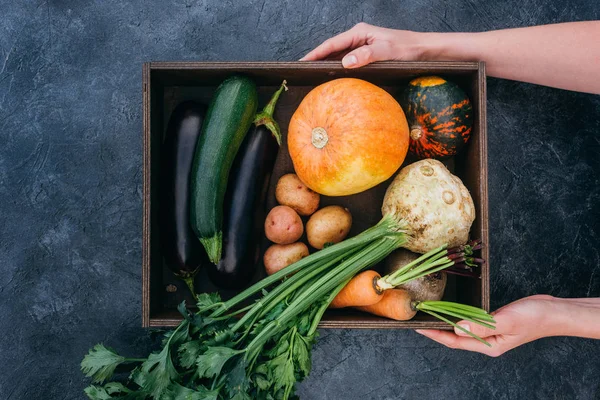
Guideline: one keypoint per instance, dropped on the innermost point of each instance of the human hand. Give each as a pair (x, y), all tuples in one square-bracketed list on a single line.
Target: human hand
[(517, 323), (364, 44)]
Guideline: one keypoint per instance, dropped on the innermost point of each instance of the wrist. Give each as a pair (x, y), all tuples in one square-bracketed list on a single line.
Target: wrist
[(572, 317), (554, 317), (448, 46)]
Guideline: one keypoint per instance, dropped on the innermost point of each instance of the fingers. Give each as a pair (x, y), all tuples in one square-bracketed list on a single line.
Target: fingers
[(344, 41), (453, 341), (367, 54), (505, 324), (355, 41), (338, 55), (463, 341), (476, 329)]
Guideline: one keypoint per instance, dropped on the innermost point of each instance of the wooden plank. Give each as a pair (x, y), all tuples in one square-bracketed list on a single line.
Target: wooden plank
[(483, 185), (146, 196)]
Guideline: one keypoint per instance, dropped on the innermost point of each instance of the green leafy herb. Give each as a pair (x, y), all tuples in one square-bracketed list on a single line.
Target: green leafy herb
[(262, 382), (110, 389), (238, 382), (116, 387), (157, 373), (97, 393), (211, 362), (206, 300), (189, 352), (281, 371), (182, 308), (241, 396), (200, 321), (177, 392), (178, 336), (304, 323), (221, 337), (100, 363), (301, 353)]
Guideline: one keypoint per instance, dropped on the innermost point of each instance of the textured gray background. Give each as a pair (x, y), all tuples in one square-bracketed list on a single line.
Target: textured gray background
[(70, 191)]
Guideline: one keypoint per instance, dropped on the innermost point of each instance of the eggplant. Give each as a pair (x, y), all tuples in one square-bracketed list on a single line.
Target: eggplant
[(244, 211), (182, 252)]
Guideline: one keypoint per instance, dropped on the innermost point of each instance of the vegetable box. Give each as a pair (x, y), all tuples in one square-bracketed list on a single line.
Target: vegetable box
[(166, 84)]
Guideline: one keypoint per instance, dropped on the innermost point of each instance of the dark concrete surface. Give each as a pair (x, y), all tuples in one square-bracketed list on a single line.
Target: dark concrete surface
[(70, 191)]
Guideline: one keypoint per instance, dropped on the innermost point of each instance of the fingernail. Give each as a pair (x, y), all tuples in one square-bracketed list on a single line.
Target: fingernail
[(421, 331), (349, 61), (465, 327)]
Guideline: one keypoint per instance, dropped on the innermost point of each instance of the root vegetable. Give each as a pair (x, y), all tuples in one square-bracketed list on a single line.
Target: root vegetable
[(399, 305), (418, 277), (435, 205), (292, 192), (283, 225), (279, 256), (360, 291), (395, 304), (328, 225), (428, 287)]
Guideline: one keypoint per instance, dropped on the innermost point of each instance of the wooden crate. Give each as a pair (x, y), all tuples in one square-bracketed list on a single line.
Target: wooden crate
[(166, 84)]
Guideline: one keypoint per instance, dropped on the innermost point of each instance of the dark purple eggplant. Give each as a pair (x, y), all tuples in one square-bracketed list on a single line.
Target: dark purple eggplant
[(247, 186), (183, 253)]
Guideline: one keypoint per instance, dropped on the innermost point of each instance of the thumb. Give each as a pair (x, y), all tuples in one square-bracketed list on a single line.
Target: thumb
[(474, 328), (365, 55)]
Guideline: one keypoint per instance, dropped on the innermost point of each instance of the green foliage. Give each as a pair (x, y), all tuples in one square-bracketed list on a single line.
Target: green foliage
[(212, 361), (205, 300), (157, 373), (177, 392), (100, 363), (213, 355), (189, 352), (112, 390)]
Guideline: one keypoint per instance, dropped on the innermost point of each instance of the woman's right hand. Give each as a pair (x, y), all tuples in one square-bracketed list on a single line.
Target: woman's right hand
[(565, 55), (364, 44)]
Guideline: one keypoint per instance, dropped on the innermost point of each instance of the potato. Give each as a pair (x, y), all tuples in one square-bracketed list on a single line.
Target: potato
[(279, 256), (283, 225), (290, 191), (330, 224)]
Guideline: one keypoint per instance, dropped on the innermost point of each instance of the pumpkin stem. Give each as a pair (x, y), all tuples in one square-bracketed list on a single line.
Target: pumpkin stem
[(265, 117), (415, 133), (319, 137)]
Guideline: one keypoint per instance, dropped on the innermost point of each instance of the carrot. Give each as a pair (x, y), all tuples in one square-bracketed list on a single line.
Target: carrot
[(395, 304), (362, 290), (367, 287)]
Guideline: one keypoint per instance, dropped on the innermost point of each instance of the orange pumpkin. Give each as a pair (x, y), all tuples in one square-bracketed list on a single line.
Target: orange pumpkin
[(347, 136)]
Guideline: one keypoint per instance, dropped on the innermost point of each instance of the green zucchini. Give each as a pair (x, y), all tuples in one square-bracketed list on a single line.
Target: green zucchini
[(228, 119)]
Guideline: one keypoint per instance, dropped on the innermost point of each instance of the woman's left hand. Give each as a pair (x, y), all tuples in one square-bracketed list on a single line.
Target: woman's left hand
[(517, 323)]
